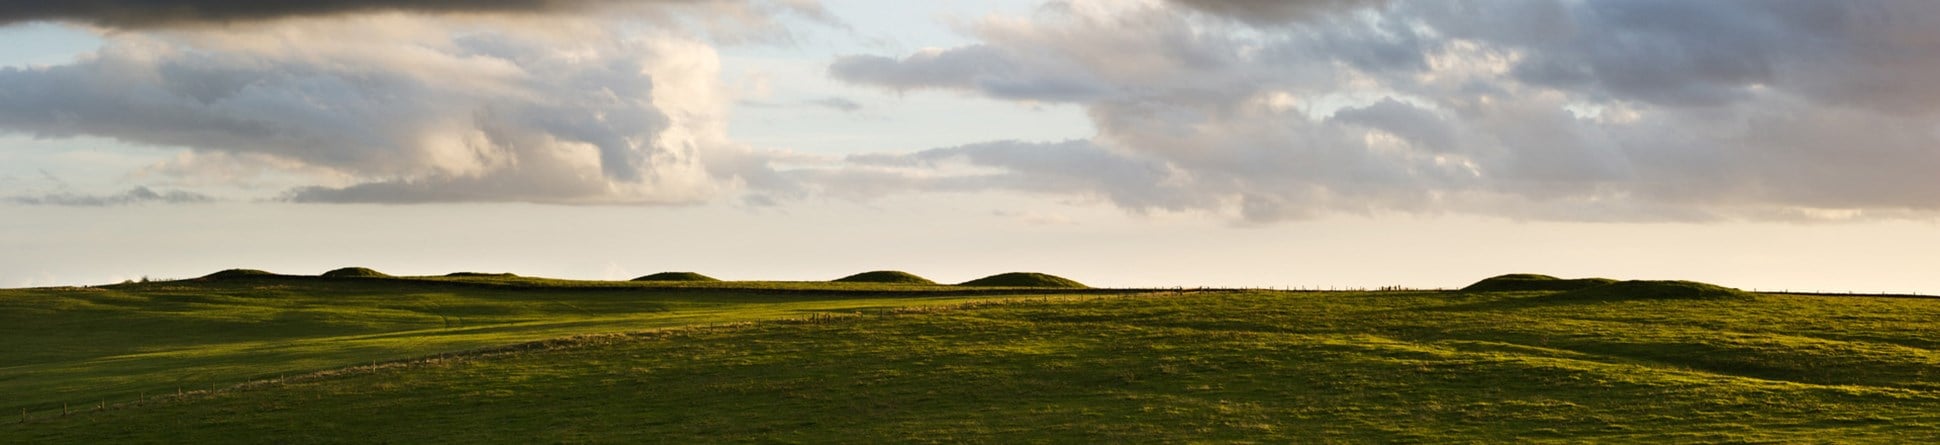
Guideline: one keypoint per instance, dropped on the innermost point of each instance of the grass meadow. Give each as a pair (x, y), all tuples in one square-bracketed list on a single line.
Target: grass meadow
[(807, 362)]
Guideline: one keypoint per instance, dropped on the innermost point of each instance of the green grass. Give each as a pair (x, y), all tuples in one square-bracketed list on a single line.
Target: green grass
[(1261, 367), (79, 345), (885, 276), (1024, 279)]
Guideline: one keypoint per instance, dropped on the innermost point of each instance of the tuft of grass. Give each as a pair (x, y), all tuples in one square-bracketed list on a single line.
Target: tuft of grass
[(885, 276), (677, 276), (238, 273), (1533, 282), (355, 272), (1024, 279)]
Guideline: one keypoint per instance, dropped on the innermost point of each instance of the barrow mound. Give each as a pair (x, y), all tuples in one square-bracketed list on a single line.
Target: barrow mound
[(1534, 282), (355, 272), (1653, 290), (885, 276), (676, 276), (238, 273), (1025, 279)]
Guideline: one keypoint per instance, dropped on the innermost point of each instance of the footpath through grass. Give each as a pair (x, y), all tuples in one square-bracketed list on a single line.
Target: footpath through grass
[(1269, 367)]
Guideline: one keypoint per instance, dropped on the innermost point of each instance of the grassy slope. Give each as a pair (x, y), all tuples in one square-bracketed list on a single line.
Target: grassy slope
[(81, 345), (1268, 367)]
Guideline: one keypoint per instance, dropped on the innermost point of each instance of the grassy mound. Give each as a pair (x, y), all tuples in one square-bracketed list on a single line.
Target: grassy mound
[(885, 276), (1653, 290), (355, 272), (237, 273), (480, 274), (1025, 279), (676, 276), (1533, 282)]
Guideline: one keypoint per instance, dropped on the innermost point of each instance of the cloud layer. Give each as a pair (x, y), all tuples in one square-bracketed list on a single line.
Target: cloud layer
[(1544, 109), (137, 195), (1262, 111), (150, 13), (404, 108)]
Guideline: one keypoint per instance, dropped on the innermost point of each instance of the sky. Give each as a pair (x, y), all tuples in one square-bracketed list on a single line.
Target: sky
[(1773, 145)]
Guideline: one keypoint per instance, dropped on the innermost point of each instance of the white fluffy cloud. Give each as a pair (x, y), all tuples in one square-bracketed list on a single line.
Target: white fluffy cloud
[(399, 107), (1542, 109)]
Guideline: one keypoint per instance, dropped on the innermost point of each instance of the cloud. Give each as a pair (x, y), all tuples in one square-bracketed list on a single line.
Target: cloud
[(1274, 12), (980, 68), (410, 108), (1638, 110), (151, 13), (837, 104), (137, 195), (1035, 218), (1066, 168), (832, 103)]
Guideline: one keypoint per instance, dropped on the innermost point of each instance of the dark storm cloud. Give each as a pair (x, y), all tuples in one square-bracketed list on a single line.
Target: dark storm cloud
[(150, 13)]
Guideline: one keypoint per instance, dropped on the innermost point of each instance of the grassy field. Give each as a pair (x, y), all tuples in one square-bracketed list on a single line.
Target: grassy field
[(1644, 362), (82, 345)]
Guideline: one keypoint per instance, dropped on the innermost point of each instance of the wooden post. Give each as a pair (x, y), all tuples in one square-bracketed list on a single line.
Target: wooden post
[(23, 415), (63, 409)]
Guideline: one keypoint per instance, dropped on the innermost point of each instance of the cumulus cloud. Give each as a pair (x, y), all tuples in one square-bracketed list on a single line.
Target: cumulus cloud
[(405, 108), (137, 195), (1544, 109)]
